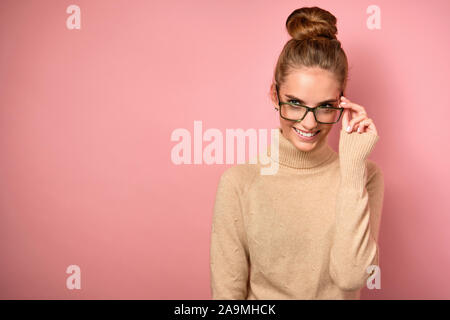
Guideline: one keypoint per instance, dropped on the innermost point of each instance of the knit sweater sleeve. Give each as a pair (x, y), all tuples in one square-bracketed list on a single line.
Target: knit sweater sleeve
[(229, 257), (358, 212)]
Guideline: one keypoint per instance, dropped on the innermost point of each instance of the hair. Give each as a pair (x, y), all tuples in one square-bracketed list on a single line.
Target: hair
[(313, 44)]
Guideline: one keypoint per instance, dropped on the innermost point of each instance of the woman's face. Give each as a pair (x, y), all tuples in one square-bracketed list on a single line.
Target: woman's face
[(308, 87)]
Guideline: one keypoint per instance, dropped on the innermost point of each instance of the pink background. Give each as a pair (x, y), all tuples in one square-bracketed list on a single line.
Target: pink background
[(86, 116)]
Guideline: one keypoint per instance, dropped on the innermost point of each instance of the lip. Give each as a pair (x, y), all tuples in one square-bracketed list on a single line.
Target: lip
[(305, 138)]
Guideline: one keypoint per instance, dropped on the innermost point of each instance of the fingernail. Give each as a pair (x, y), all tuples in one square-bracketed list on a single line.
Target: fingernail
[(359, 129), (348, 129), (342, 102)]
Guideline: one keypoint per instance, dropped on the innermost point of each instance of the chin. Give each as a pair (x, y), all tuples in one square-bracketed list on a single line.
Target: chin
[(304, 146)]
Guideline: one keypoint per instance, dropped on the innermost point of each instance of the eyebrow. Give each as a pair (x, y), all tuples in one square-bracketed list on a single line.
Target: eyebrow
[(301, 101)]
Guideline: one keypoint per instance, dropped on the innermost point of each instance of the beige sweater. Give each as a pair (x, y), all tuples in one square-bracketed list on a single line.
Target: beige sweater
[(307, 232)]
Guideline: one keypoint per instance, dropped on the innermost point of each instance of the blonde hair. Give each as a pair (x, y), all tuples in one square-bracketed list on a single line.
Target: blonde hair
[(313, 44)]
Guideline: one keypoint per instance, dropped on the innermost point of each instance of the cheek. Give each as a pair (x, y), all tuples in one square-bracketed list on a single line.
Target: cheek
[(324, 130), (285, 126), (285, 123)]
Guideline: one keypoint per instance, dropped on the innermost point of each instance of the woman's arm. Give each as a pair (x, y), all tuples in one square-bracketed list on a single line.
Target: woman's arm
[(358, 211), (229, 258)]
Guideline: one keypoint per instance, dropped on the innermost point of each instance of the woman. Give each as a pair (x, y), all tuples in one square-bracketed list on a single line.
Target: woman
[(309, 231)]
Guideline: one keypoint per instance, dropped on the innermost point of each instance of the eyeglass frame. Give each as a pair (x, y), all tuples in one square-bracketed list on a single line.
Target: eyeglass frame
[(308, 109)]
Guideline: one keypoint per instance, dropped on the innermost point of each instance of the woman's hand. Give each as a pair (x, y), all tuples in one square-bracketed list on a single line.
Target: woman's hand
[(359, 121)]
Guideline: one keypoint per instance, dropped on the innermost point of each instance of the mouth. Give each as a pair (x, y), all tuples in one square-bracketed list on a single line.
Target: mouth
[(306, 134)]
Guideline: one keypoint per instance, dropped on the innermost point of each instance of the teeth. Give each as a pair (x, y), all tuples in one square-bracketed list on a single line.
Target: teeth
[(305, 134)]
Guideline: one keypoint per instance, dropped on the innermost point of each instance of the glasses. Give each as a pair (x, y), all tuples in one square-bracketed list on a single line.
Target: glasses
[(326, 114)]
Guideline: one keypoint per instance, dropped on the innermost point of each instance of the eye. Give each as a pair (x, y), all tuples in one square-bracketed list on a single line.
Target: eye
[(327, 107), (294, 101)]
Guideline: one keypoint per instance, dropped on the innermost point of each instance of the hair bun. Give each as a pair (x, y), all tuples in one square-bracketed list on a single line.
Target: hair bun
[(311, 22)]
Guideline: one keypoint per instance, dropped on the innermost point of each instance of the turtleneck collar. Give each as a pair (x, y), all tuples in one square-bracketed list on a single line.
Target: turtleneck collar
[(292, 157)]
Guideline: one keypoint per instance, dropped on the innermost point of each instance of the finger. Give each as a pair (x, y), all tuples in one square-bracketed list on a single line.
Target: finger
[(345, 118), (353, 106), (356, 120), (371, 127), (367, 126), (357, 109), (362, 125)]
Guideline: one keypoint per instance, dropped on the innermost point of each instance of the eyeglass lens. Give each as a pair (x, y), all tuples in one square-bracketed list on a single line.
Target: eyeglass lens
[(323, 114)]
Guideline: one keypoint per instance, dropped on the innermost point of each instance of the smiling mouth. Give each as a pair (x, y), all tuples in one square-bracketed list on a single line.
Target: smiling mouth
[(306, 134)]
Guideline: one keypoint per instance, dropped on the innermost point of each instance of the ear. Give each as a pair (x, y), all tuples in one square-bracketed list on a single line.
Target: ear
[(273, 95)]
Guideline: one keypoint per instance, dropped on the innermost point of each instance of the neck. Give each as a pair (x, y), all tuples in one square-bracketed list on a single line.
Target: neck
[(292, 157)]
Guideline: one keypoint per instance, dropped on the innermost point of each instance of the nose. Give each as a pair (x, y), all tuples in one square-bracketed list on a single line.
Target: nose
[(309, 122)]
